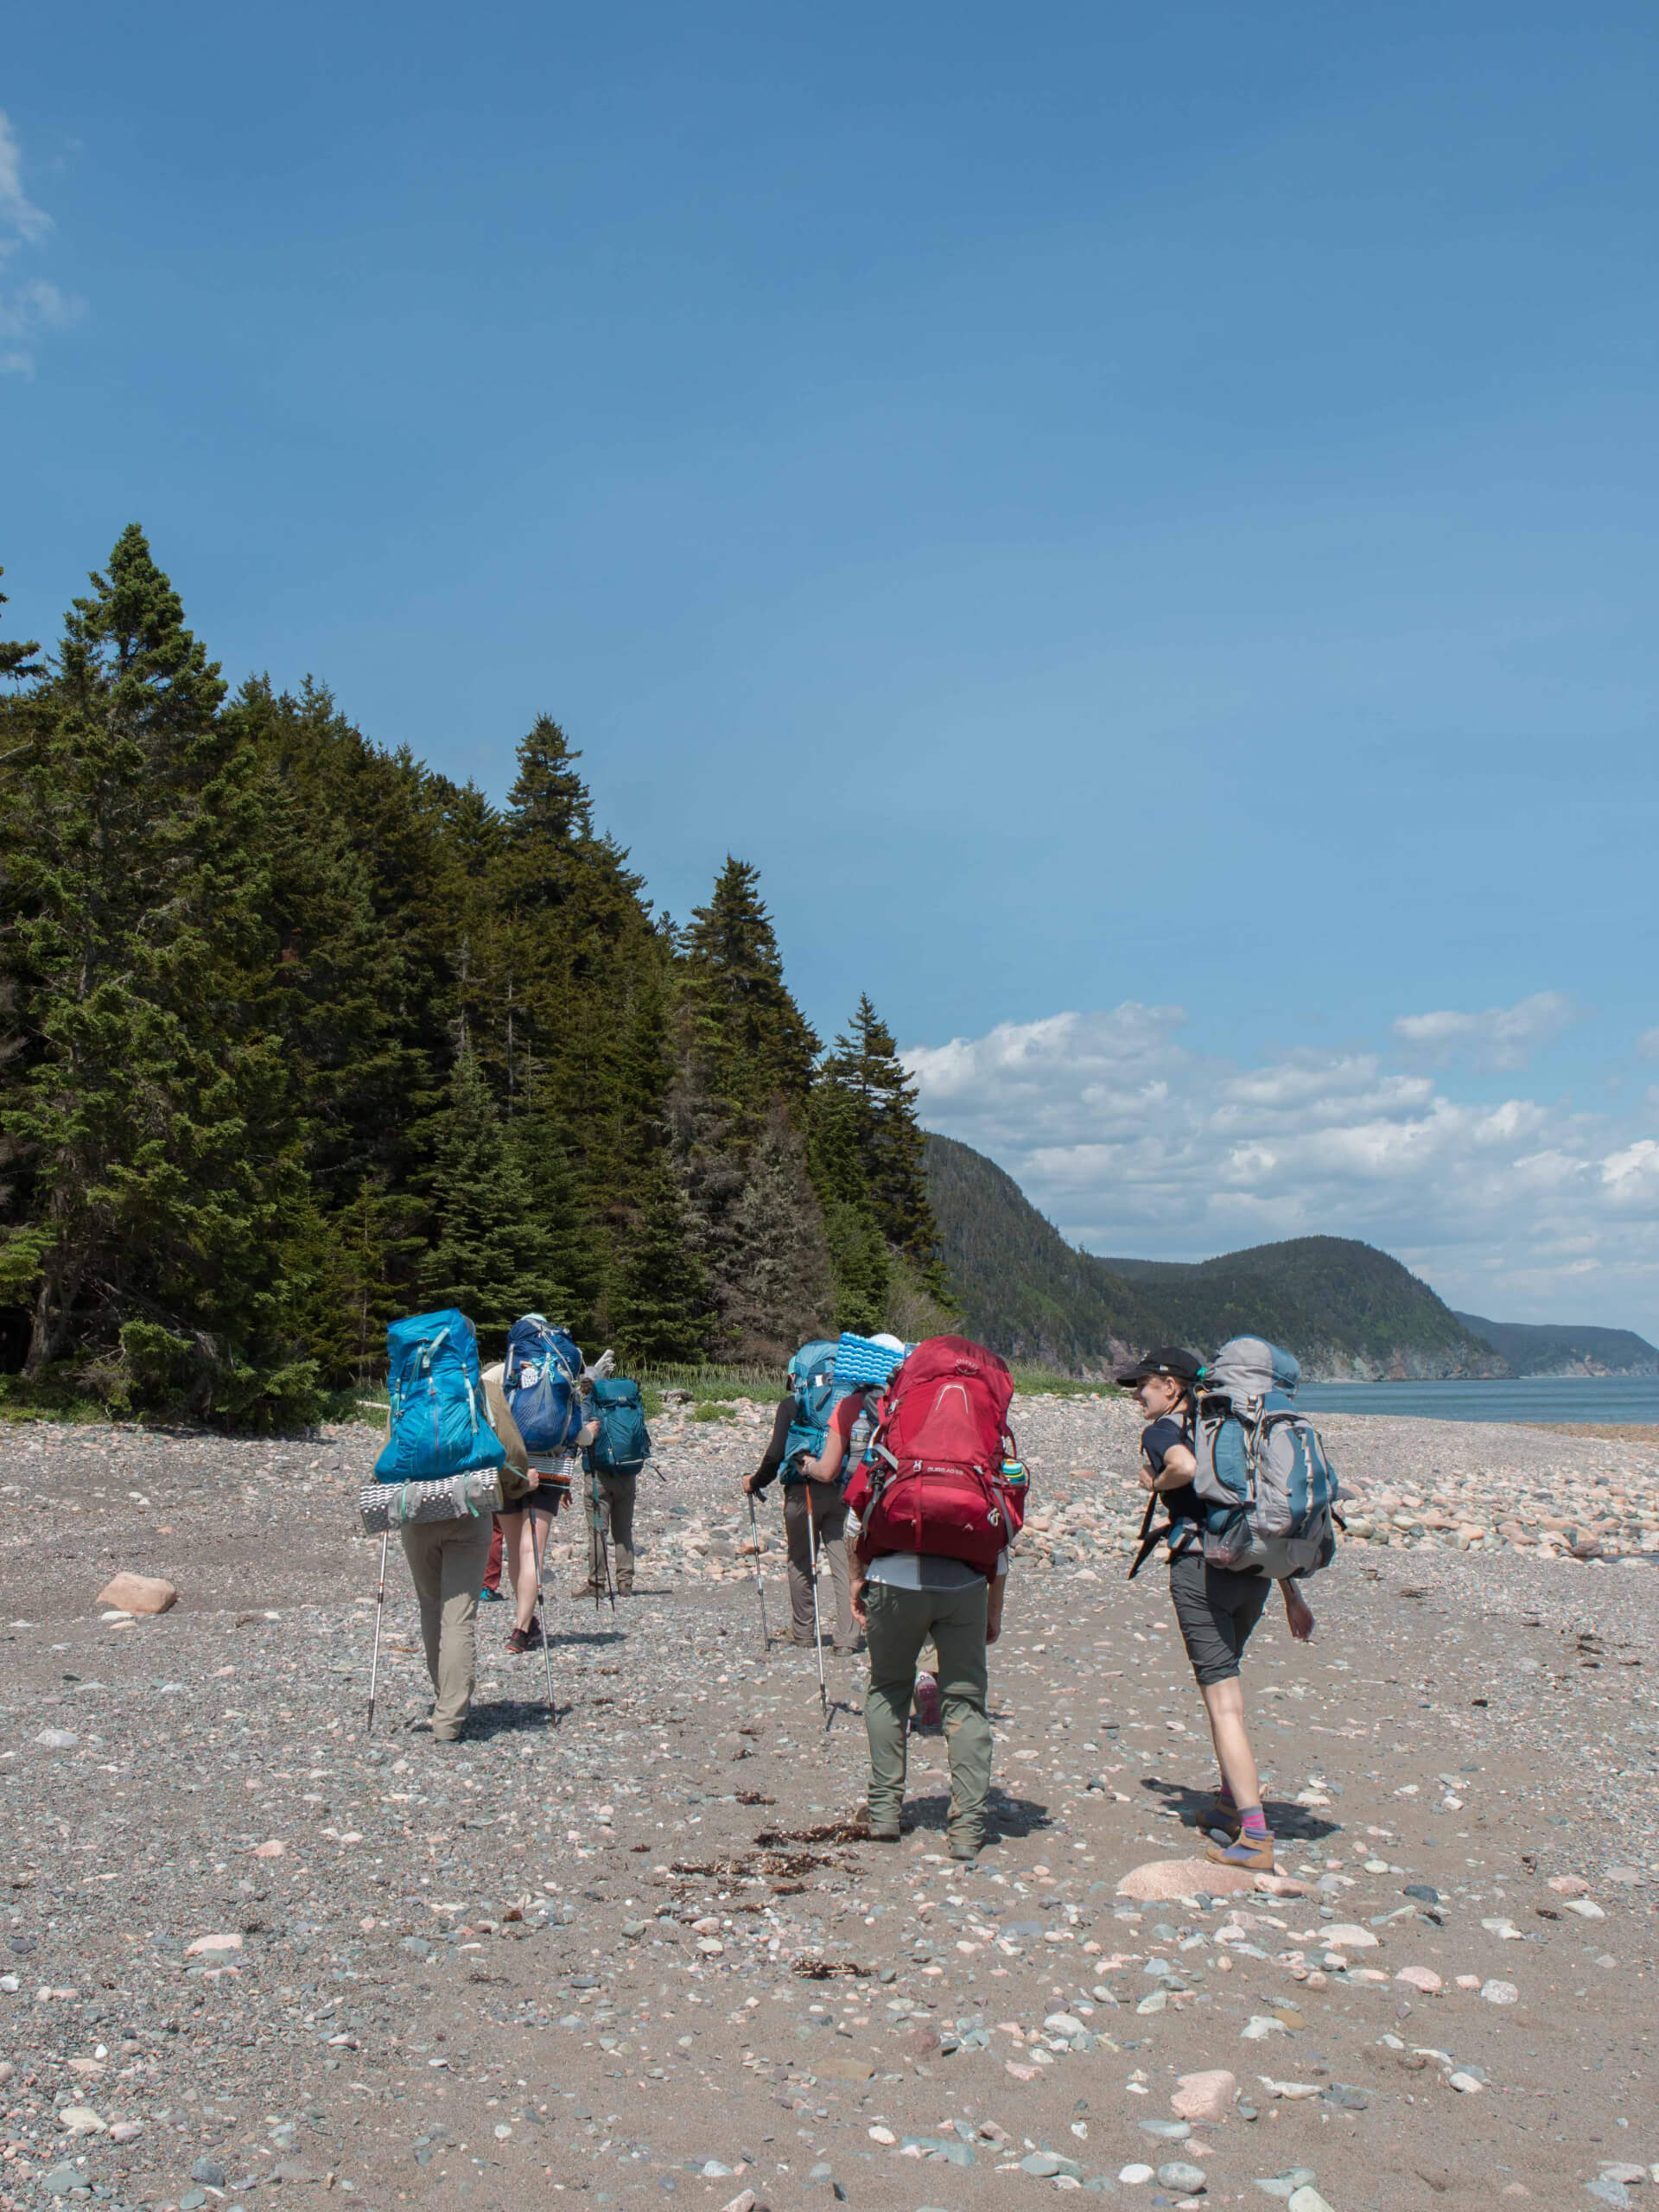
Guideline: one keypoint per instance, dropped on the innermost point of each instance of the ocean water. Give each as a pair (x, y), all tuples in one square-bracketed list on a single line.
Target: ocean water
[(1632, 1399)]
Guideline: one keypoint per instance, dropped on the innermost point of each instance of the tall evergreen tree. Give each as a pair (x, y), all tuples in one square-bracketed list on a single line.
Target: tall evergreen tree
[(758, 1042), (155, 1121), (662, 1311), (870, 1143), (491, 1255)]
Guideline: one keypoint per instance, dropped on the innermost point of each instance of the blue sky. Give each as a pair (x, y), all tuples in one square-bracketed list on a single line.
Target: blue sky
[(1110, 510)]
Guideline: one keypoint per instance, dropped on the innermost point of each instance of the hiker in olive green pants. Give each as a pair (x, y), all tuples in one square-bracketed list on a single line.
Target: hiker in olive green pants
[(962, 1621)]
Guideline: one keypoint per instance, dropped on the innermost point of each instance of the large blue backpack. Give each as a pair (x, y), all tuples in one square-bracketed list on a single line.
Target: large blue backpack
[(623, 1445), (543, 1366), (812, 1381), (440, 1419), (1264, 1480)]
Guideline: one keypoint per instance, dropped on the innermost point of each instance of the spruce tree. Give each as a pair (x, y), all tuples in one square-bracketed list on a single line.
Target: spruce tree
[(759, 1044), (780, 1288), (662, 1314), (491, 1255), (155, 1127), (869, 1131)]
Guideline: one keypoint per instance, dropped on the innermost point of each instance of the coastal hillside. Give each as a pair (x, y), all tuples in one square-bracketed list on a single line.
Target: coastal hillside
[(1535, 1349), (1021, 1287), (1347, 1310)]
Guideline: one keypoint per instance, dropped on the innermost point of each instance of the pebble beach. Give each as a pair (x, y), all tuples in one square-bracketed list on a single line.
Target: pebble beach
[(630, 1950)]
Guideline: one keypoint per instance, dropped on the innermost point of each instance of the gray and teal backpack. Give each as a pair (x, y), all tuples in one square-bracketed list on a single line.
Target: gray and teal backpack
[(623, 1443), (1264, 1478)]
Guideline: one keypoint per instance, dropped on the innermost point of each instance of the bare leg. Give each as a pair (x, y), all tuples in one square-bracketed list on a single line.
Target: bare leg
[(514, 1559), (525, 1583), (1224, 1703)]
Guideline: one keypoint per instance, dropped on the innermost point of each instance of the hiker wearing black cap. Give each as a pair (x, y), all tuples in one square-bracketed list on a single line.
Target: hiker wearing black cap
[(1216, 1609)]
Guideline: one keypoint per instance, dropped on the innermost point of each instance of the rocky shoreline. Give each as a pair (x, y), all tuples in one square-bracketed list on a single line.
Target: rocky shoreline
[(631, 1954)]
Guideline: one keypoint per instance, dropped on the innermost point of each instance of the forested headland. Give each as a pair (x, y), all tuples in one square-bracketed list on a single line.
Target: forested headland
[(300, 1035)]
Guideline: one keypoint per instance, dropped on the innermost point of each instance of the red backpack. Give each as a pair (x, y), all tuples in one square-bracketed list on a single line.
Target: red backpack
[(932, 1480)]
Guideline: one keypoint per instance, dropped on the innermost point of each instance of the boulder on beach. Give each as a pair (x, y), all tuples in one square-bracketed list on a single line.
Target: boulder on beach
[(138, 1593), (1206, 2096), (1162, 1878)]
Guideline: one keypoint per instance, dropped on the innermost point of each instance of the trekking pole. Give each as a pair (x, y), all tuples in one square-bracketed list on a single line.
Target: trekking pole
[(604, 1551), (759, 1580), (817, 1624), (379, 1614), (539, 1555)]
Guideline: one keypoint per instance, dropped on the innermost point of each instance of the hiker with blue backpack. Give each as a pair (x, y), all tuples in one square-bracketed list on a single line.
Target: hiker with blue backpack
[(1250, 1497), (549, 1394), (616, 1446), (442, 1469), (815, 1506)]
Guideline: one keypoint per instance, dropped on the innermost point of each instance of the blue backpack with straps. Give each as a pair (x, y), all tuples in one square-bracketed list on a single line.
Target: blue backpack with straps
[(440, 1419), (819, 1389), (543, 1366), (623, 1445)]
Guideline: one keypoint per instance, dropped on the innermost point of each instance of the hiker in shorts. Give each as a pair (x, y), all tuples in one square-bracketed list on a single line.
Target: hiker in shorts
[(815, 1514), (531, 1496), (1216, 1609)]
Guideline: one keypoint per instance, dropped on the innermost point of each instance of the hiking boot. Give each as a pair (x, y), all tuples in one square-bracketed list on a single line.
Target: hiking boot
[(586, 1590), (488, 1597), (527, 1639), (884, 1830), (1254, 1854), (965, 1847)]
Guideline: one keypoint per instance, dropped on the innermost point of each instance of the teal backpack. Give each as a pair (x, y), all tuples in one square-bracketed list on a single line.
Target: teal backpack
[(440, 1423), (623, 1445), (817, 1393)]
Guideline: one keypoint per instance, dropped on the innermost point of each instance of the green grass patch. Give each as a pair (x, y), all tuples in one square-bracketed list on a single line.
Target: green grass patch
[(716, 1385), (1046, 1383), (57, 1397)]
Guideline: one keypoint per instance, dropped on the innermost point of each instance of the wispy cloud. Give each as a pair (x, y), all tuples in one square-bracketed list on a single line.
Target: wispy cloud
[(1136, 1142), (1502, 1037), (31, 306)]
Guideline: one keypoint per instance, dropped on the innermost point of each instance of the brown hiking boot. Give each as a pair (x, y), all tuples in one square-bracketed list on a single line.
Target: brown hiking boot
[(1253, 1854)]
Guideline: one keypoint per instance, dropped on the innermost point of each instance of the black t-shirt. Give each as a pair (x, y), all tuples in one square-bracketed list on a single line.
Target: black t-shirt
[(1158, 1441)]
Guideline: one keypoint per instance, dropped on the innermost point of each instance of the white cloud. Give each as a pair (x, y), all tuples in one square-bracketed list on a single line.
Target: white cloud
[(1501, 1037), (18, 215), (1136, 1143), (1647, 1045), (32, 305)]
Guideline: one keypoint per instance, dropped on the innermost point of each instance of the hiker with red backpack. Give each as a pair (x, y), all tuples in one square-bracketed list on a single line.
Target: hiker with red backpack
[(939, 1494), (1250, 1496)]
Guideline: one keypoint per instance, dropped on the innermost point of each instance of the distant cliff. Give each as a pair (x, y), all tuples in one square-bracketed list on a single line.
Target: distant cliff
[(1542, 1349), (1347, 1310)]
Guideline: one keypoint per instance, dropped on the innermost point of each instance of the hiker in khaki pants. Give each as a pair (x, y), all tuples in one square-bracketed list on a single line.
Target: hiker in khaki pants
[(446, 1561)]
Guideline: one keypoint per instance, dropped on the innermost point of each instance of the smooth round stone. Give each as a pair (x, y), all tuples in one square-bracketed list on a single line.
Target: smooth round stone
[(1133, 2173), (1178, 2174)]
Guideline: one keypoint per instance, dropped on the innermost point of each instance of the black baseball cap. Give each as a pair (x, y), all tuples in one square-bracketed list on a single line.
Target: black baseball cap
[(1165, 1359)]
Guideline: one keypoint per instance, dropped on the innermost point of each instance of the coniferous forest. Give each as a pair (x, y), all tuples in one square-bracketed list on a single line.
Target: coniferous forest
[(299, 1036)]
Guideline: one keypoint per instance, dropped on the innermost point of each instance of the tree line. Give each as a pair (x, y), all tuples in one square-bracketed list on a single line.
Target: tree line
[(298, 1035)]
